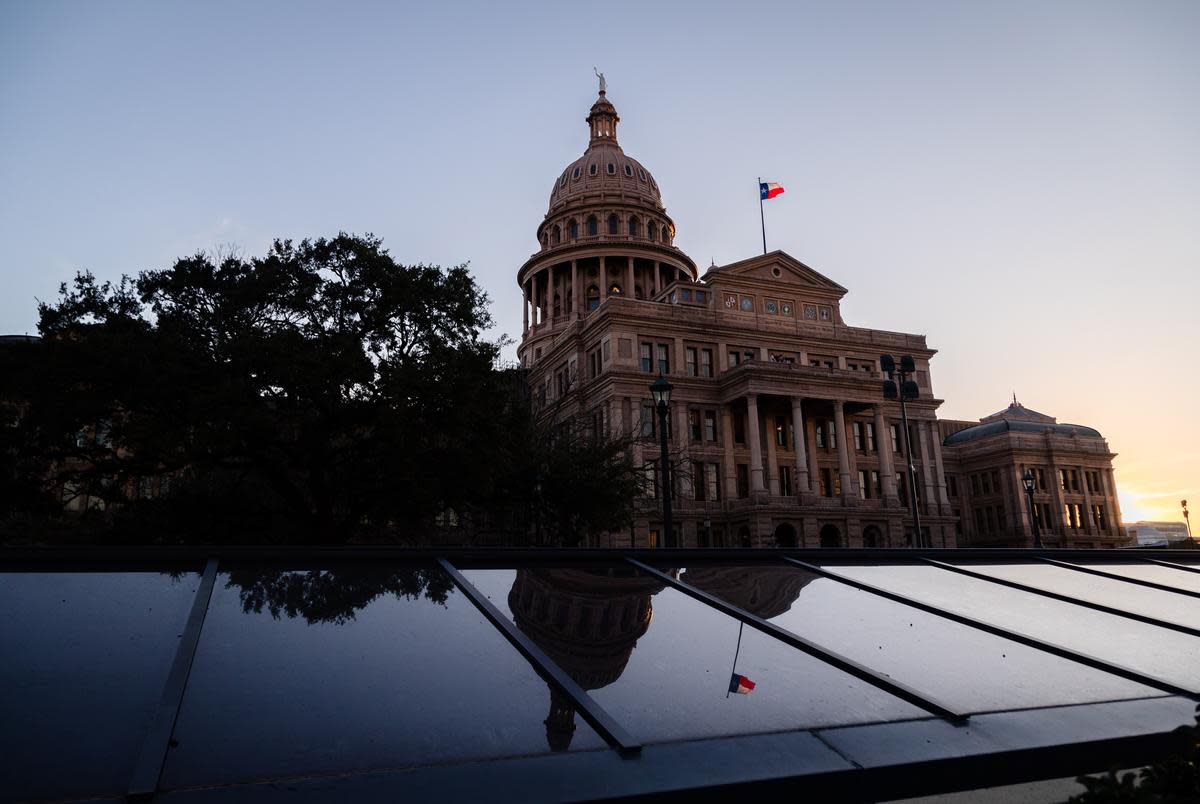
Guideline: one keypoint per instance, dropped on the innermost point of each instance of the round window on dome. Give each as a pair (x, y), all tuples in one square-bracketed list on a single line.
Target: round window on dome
[(641, 174), (629, 171), (592, 169), (612, 169), (575, 173)]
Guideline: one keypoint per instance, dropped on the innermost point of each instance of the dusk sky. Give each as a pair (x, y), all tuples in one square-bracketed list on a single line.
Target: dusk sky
[(1018, 181)]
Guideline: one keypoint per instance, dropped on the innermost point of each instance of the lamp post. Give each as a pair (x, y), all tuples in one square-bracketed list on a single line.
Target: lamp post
[(1187, 519), (906, 390), (1029, 481), (660, 389)]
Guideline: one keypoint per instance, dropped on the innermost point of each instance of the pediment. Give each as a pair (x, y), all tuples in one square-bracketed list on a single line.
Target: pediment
[(776, 268)]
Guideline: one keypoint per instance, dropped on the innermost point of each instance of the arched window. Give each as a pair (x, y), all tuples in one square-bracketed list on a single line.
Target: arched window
[(785, 535), (612, 169), (629, 171), (592, 169), (831, 536), (633, 226), (651, 230), (637, 292), (744, 537), (666, 233), (613, 224), (593, 297), (872, 536), (573, 228), (556, 235), (614, 289), (557, 305), (575, 173), (593, 226)]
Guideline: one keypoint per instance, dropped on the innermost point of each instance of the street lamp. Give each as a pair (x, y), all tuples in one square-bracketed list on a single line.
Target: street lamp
[(1029, 481), (1187, 519), (660, 390), (906, 391)]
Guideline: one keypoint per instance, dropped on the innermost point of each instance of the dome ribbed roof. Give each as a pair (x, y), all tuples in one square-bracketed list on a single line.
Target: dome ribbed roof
[(604, 167)]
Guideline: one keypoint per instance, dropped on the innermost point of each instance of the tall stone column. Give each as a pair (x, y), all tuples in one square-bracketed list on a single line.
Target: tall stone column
[(943, 495), (655, 280), (1088, 525), (603, 280), (802, 480), (887, 467), (575, 297), (1024, 518), (753, 434), (772, 467), (730, 461), (814, 467), (1114, 503), (839, 423), (926, 469), (629, 286), (1057, 494), (525, 309)]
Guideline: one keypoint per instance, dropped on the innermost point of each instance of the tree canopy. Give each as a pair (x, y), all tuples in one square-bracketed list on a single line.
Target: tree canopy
[(320, 393)]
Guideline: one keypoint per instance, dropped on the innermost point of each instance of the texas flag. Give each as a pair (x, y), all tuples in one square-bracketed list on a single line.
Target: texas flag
[(740, 684), (769, 189)]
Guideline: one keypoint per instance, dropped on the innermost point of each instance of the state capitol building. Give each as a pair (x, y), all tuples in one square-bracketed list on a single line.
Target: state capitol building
[(778, 429)]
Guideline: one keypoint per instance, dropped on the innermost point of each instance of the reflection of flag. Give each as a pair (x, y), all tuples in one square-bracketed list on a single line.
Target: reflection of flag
[(769, 189), (741, 685)]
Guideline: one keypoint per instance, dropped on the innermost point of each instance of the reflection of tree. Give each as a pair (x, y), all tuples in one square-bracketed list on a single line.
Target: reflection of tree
[(333, 596), (763, 591), (588, 622)]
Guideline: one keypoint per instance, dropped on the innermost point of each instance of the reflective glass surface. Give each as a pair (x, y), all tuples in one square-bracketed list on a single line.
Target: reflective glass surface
[(1155, 573), (1107, 591), (966, 668), (352, 669), (1157, 652), (661, 662), (85, 657)]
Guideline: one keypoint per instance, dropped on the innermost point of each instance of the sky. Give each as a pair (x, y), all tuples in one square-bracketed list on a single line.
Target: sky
[(1018, 181)]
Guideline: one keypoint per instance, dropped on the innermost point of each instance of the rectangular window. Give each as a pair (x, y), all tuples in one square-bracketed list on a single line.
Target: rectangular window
[(743, 480), (826, 485), (785, 481), (819, 439), (735, 358), (996, 483), (781, 439), (837, 484), (975, 485), (664, 359), (652, 538), (1040, 474), (833, 436), (648, 417), (871, 444), (710, 425), (895, 431), (1064, 479), (646, 350), (876, 486), (650, 479), (860, 442), (693, 361), (712, 480), (864, 484), (991, 519), (706, 362), (698, 485), (1075, 480), (902, 488), (979, 520), (985, 481), (1098, 516), (694, 430)]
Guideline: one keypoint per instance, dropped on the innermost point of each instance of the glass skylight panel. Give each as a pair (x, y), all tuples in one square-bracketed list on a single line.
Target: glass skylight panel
[(1154, 651), (301, 673), (661, 662), (85, 658), (1107, 591), (1155, 573), (961, 666)]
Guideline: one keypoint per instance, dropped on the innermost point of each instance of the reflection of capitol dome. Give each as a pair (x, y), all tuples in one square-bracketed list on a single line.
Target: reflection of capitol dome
[(763, 591), (587, 622)]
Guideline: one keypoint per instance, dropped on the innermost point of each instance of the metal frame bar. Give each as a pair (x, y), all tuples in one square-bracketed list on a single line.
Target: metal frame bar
[(1171, 564), (1028, 641), (846, 665), (1162, 587), (1074, 601), (604, 723), (144, 782)]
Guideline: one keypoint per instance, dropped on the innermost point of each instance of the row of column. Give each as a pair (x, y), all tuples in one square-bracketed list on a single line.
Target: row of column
[(554, 282)]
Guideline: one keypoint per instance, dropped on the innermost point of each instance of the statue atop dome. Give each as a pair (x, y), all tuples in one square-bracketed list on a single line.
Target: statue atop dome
[(603, 83)]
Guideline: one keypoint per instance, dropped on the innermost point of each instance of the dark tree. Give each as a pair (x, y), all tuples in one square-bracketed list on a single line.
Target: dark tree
[(321, 393)]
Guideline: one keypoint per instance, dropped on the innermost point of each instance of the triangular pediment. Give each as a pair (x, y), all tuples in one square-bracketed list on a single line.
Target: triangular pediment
[(777, 268)]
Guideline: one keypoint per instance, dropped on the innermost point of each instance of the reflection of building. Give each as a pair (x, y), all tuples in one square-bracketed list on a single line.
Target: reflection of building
[(1158, 534), (763, 591), (588, 622), (778, 419), (1075, 493)]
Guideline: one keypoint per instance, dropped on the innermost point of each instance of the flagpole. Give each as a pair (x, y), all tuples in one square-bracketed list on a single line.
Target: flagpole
[(761, 218), (738, 650)]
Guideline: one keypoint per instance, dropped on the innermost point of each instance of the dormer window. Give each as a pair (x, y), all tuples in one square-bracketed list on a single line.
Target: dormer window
[(592, 169), (593, 226), (641, 174), (629, 171), (612, 169), (633, 226), (614, 224), (562, 181), (575, 173)]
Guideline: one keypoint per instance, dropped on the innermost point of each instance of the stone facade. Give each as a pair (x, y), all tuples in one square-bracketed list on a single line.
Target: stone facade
[(1075, 496), (778, 428)]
